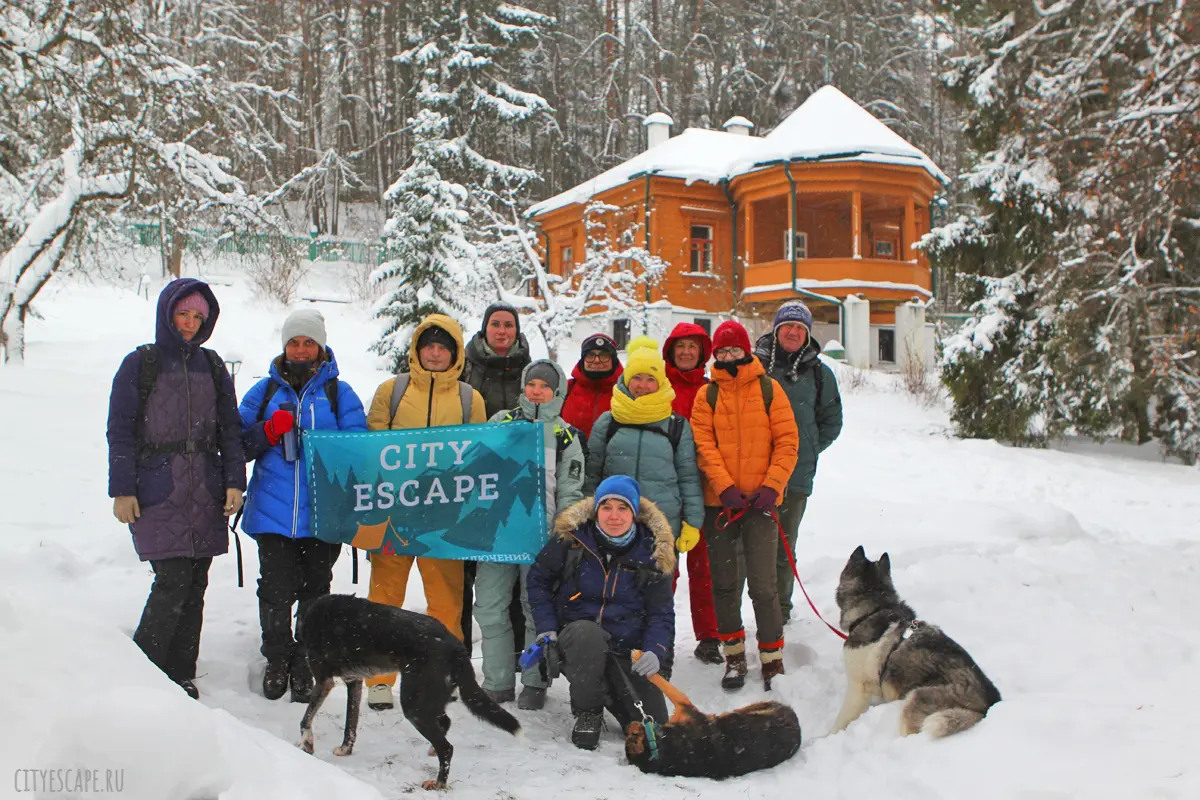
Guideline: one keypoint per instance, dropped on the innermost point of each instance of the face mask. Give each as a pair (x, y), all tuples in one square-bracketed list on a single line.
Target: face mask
[(732, 366)]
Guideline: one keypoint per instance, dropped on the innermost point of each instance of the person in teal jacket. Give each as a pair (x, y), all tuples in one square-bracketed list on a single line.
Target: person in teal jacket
[(790, 355), (545, 388), (294, 566)]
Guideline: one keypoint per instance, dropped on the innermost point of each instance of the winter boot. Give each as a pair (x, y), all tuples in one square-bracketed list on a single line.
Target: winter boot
[(709, 651), (277, 645), (501, 695), (276, 678), (190, 687), (301, 677), (379, 697), (772, 665), (735, 664), (586, 735), (532, 699)]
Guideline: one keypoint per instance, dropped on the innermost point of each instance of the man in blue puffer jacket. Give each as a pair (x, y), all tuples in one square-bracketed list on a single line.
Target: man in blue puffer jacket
[(294, 566)]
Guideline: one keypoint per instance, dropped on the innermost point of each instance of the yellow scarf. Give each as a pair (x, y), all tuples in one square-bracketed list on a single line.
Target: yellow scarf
[(645, 409)]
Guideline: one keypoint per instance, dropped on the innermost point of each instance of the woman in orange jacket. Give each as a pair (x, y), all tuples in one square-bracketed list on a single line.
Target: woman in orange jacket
[(746, 443)]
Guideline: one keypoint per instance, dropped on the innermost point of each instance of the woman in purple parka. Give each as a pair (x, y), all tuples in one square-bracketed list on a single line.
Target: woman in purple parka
[(176, 470)]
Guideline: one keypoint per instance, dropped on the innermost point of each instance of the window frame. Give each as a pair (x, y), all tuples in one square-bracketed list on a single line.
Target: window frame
[(706, 249), (790, 237)]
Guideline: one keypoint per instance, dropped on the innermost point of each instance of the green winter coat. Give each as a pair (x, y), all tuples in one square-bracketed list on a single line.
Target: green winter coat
[(668, 477), (819, 420), (564, 447)]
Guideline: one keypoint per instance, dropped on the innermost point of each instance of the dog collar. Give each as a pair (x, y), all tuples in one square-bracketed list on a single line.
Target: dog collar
[(908, 631)]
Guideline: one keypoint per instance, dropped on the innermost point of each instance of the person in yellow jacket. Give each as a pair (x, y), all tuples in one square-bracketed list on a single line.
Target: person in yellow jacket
[(432, 398)]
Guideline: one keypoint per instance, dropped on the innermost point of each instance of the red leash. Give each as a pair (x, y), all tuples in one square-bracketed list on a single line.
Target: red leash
[(730, 518)]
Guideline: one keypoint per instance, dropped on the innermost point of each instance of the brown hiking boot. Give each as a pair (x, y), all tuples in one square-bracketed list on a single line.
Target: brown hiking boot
[(709, 651), (772, 665), (735, 671)]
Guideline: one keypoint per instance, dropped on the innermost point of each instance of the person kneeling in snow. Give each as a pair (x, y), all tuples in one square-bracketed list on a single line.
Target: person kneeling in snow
[(603, 559)]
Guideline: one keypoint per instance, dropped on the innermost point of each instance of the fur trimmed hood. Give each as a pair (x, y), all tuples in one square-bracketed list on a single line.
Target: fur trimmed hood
[(580, 513)]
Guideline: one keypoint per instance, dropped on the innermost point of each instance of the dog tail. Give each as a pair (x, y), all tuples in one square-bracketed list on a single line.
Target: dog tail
[(477, 701), (950, 721)]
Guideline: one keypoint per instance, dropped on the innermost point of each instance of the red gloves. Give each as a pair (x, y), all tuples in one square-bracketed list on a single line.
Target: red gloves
[(765, 498), (280, 423), (734, 498)]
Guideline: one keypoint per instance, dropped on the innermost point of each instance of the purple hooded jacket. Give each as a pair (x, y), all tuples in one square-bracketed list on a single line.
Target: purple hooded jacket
[(181, 495)]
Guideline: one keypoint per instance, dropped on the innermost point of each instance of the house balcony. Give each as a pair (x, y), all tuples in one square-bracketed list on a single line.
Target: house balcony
[(886, 280)]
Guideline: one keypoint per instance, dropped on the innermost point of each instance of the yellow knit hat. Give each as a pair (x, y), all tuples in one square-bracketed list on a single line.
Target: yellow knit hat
[(644, 356)]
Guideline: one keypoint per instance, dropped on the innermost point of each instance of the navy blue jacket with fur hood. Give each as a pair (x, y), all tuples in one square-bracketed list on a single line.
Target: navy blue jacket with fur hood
[(632, 599), (181, 495)]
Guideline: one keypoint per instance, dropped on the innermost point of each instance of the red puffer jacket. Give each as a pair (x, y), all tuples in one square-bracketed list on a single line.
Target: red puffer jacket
[(588, 399), (687, 384)]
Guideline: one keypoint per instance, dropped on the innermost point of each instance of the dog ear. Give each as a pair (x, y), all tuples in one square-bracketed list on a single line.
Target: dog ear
[(859, 554), (885, 565)]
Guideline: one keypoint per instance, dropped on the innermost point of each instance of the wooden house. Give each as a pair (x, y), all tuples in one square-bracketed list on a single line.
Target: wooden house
[(826, 207)]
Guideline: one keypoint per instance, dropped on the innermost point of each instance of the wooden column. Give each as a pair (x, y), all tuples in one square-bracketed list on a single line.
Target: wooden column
[(856, 223), (910, 231), (749, 240)]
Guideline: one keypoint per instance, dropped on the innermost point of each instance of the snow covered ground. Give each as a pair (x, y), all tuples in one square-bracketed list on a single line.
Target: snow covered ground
[(1069, 576)]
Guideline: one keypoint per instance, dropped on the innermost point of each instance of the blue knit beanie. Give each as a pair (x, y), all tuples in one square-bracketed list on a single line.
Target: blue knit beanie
[(621, 487), (790, 312)]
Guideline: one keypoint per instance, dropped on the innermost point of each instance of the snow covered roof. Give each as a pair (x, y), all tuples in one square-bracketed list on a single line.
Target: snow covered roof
[(694, 155), (828, 126)]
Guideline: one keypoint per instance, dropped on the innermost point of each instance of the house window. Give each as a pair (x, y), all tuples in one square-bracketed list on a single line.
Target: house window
[(620, 333), (705, 323), (799, 241), (702, 248), (568, 257), (887, 345), (884, 249)]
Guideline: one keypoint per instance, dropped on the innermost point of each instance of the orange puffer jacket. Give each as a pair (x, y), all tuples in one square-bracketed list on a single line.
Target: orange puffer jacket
[(737, 444)]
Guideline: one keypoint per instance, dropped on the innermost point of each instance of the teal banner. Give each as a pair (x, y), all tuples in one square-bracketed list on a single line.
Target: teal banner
[(474, 492)]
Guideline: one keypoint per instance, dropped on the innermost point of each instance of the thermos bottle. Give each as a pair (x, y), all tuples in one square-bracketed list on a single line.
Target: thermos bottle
[(291, 449)]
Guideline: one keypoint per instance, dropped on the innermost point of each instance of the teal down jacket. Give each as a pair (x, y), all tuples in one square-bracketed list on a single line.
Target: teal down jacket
[(670, 479)]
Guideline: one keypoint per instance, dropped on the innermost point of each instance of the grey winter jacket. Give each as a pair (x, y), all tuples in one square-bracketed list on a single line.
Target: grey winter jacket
[(819, 420), (668, 477), (564, 484)]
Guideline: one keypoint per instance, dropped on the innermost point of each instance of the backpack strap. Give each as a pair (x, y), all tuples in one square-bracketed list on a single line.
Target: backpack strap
[(399, 387), (767, 387), (331, 393), (673, 433), (466, 396), (272, 388), (710, 394), (563, 436), (819, 378), (147, 376), (216, 365)]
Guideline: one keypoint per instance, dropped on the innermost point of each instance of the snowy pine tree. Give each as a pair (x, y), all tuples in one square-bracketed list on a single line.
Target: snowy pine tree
[(1084, 118), (429, 258)]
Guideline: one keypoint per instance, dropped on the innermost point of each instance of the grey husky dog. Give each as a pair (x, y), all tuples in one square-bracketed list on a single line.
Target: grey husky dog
[(891, 654)]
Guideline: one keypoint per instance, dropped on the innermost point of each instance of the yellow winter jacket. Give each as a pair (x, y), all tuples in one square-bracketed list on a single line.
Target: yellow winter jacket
[(432, 397)]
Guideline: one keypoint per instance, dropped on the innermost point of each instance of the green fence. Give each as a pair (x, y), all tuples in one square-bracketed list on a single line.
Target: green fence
[(148, 234)]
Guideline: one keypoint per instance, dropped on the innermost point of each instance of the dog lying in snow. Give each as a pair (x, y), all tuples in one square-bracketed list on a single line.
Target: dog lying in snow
[(889, 653)]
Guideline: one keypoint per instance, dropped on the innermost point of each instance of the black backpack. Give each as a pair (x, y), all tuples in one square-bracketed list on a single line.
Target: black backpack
[(674, 431), (765, 384), (147, 376)]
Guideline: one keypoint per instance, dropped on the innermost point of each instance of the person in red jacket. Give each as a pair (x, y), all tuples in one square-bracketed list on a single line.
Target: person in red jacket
[(589, 392), (686, 352)]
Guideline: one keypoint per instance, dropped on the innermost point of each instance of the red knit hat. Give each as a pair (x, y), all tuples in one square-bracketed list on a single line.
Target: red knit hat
[(731, 334)]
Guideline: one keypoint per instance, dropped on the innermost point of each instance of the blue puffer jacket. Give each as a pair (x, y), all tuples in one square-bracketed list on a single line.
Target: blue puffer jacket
[(278, 498), (631, 600)]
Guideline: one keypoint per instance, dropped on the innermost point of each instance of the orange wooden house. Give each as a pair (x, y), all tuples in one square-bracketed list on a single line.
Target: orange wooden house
[(826, 208)]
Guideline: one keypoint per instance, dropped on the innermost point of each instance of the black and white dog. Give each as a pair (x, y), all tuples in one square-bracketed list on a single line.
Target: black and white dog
[(352, 639), (893, 655)]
